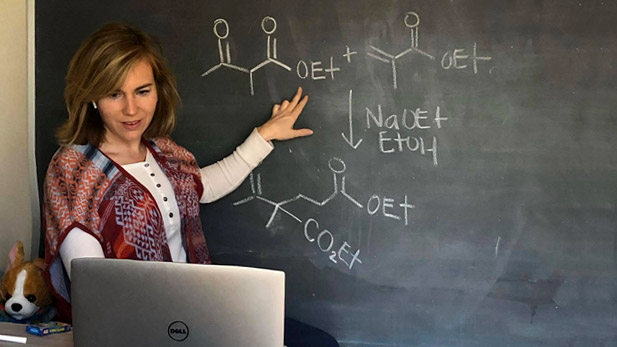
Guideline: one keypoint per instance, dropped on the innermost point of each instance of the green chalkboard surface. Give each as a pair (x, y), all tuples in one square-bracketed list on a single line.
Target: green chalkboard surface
[(460, 188)]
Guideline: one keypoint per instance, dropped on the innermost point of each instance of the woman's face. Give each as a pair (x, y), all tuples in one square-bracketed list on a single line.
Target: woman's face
[(128, 111)]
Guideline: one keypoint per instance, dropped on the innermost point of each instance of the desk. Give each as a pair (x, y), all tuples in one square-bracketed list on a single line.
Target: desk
[(53, 340)]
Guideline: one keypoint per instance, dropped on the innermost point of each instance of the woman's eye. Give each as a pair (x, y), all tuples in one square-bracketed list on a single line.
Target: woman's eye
[(144, 92), (115, 95)]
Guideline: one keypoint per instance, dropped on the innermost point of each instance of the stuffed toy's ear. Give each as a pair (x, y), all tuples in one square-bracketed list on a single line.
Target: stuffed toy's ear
[(16, 255), (40, 263)]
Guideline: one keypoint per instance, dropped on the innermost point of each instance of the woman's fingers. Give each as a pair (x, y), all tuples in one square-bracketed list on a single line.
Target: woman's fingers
[(297, 110), (294, 101), (300, 106), (303, 132), (280, 126), (296, 97), (284, 105)]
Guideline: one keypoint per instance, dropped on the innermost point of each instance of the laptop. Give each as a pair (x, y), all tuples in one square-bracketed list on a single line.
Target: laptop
[(143, 303)]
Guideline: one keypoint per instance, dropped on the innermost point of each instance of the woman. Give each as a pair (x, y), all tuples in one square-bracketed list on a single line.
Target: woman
[(119, 187)]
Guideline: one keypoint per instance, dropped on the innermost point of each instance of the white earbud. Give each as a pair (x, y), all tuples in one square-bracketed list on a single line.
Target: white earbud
[(94, 105)]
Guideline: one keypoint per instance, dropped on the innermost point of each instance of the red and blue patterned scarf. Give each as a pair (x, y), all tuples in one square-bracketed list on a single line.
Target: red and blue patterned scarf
[(86, 189)]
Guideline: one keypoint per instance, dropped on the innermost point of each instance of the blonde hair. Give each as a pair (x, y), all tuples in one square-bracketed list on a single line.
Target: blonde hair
[(99, 67)]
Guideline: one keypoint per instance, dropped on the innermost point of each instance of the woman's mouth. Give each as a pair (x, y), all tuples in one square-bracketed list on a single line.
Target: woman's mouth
[(133, 125)]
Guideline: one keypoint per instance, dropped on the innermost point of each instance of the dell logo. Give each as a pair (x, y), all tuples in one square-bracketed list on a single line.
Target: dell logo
[(178, 331)]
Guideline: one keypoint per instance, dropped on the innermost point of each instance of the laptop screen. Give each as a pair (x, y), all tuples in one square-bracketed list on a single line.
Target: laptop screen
[(142, 303)]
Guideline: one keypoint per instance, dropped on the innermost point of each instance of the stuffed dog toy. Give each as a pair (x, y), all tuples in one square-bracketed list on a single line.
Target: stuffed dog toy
[(24, 294)]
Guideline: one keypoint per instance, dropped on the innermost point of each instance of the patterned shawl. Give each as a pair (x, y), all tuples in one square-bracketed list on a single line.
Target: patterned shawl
[(86, 189)]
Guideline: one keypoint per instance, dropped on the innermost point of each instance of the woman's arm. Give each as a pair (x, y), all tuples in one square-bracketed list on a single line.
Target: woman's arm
[(222, 177), (79, 244)]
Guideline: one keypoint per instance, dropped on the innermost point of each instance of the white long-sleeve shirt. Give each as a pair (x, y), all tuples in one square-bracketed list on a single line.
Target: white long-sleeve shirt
[(218, 179)]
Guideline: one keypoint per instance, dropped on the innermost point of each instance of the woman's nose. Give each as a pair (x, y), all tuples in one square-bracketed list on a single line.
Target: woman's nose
[(130, 106)]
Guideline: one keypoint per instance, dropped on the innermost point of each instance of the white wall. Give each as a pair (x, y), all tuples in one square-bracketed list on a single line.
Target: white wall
[(18, 209)]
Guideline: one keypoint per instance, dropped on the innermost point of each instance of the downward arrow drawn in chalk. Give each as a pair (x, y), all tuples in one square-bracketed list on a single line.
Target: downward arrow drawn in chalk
[(350, 139)]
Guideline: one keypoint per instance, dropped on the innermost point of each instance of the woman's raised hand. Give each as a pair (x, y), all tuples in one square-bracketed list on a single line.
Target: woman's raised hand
[(280, 126)]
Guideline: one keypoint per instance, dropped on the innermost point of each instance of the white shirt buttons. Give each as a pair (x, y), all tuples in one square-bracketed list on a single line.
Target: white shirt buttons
[(150, 174)]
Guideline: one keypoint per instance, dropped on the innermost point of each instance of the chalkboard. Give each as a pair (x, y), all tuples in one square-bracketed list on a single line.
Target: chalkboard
[(460, 188)]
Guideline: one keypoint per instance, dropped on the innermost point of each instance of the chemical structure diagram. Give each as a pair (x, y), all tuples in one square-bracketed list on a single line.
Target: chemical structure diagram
[(225, 60), (268, 25), (336, 165), (414, 26)]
